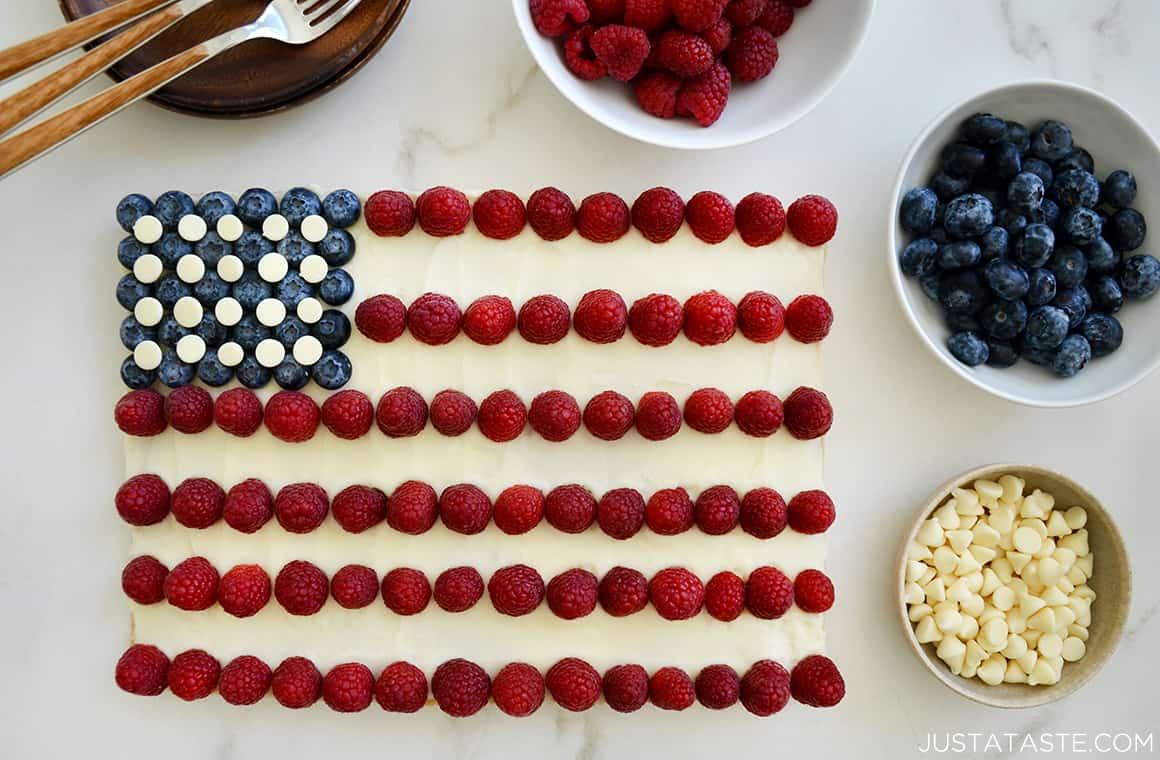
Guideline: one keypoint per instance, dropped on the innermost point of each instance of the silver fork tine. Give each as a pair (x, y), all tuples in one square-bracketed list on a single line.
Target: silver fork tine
[(344, 7)]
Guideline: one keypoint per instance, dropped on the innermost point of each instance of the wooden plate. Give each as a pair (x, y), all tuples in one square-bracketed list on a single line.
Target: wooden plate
[(262, 76)]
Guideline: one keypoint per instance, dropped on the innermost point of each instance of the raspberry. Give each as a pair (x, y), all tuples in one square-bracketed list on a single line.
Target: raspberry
[(555, 415), (812, 219), (249, 505), (244, 590), (238, 412), (816, 682), (348, 687), (649, 15), (434, 319), (719, 36), (626, 688), (452, 412), (759, 414), (656, 319), (744, 12), (464, 509), (291, 416), (657, 416), (760, 316), (708, 410), (765, 688), (813, 591), (499, 214), (515, 590), (544, 319), (296, 683), (669, 512), (620, 513), (768, 593), (717, 687), (359, 508), (656, 92), (390, 213), (671, 689), (458, 589), (412, 508), (554, 18), (710, 216), (519, 509), (809, 318), (301, 588), (140, 412), (659, 213), (623, 591), (443, 211), (760, 219), (244, 681), (142, 670), (608, 415), (710, 318), (578, 55), (697, 15), (301, 507), (808, 414), (348, 414), (143, 579), (717, 509), (603, 218), (401, 413), (197, 502), (810, 512), (606, 11), (193, 674), (502, 416), (752, 54), (189, 409), (402, 688), (725, 596), (676, 593), (704, 97), (354, 586), (574, 684), (570, 508), (143, 500), (551, 213), (382, 318), (684, 54), (192, 585), (777, 17), (460, 687), (622, 49), (763, 513), (518, 689), (489, 320), (572, 594), (406, 591)]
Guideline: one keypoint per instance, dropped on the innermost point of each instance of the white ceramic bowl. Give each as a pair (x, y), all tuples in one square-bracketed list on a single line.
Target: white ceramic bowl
[(1116, 141), (815, 52)]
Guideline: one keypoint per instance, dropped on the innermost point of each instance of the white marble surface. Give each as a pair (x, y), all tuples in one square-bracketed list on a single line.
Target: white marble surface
[(455, 99)]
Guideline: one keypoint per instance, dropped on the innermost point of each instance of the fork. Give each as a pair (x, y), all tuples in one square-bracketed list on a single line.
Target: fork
[(294, 22)]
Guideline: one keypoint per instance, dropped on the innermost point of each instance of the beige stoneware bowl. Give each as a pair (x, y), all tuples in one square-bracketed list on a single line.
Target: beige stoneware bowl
[(1111, 580)]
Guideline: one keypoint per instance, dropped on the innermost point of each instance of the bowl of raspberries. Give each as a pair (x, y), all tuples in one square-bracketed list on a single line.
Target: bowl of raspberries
[(1019, 243), (694, 74)]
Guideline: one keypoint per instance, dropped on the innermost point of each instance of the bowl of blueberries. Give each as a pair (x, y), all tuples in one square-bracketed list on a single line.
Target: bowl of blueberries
[(1019, 247)]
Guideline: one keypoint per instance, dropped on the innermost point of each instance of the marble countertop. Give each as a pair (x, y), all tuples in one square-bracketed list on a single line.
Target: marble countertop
[(455, 98)]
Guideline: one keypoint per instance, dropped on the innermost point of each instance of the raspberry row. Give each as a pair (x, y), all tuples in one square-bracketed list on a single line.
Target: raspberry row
[(502, 416), (658, 214), (301, 588), (461, 688), (413, 508), (601, 316)]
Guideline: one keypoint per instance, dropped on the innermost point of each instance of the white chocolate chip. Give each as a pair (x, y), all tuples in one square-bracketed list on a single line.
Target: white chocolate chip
[(931, 534), (1076, 517), (967, 564), (273, 267), (148, 311), (974, 581), (1027, 540), (1028, 659), (270, 353), (191, 227), (228, 311), (313, 269), (968, 629), (983, 534), (187, 311), (1003, 569), (1018, 560), (1002, 520), (308, 350), (1077, 630), (988, 488), (1003, 598), (994, 634), (918, 611), (991, 672), (952, 651), (990, 582), (1050, 645), (148, 229), (1084, 563), (1012, 488), (1073, 649), (314, 228), (1077, 542), (926, 631), (1042, 621), (930, 574), (1057, 524), (948, 620), (914, 568), (230, 354), (148, 268), (959, 540), (945, 560), (271, 312), (190, 268), (147, 355), (230, 228), (983, 554), (947, 517), (915, 551), (190, 349), (1014, 673), (275, 227), (230, 268), (1016, 646)]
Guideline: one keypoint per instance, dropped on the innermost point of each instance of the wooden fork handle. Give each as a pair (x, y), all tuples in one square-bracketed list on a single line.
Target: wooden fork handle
[(39, 49)]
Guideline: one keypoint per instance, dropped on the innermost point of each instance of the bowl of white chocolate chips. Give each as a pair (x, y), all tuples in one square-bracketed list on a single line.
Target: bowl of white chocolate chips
[(1015, 585)]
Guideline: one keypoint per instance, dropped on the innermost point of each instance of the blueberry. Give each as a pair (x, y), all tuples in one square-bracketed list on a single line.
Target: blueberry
[(918, 257), (1073, 354), (1005, 161), (341, 208), (962, 292), (169, 289), (1126, 230), (1019, 136), (1035, 245), (1008, 280), (133, 332), (968, 348), (962, 322), (1039, 168), (946, 187), (1102, 258), (130, 290), (131, 208), (211, 371), (918, 209), (929, 283), (1106, 294), (959, 255), (337, 247), (1119, 189), (212, 248), (135, 377), (1001, 354), (249, 332), (289, 330), (255, 205), (251, 290), (1069, 266), (984, 129), (332, 330), (332, 370), (1041, 356), (1104, 333), (1046, 328), (251, 374), (214, 333), (1047, 213), (295, 247), (299, 203), (129, 250), (995, 243), (1076, 187), (1025, 193), (1012, 221), (338, 286), (174, 372), (969, 216), (1079, 158), (1082, 226), (171, 206), (963, 160), (1075, 302), (210, 289), (291, 375), (170, 248), (213, 206), (251, 247), (293, 289), (1004, 319), (1140, 276), (1051, 141), (169, 331)]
